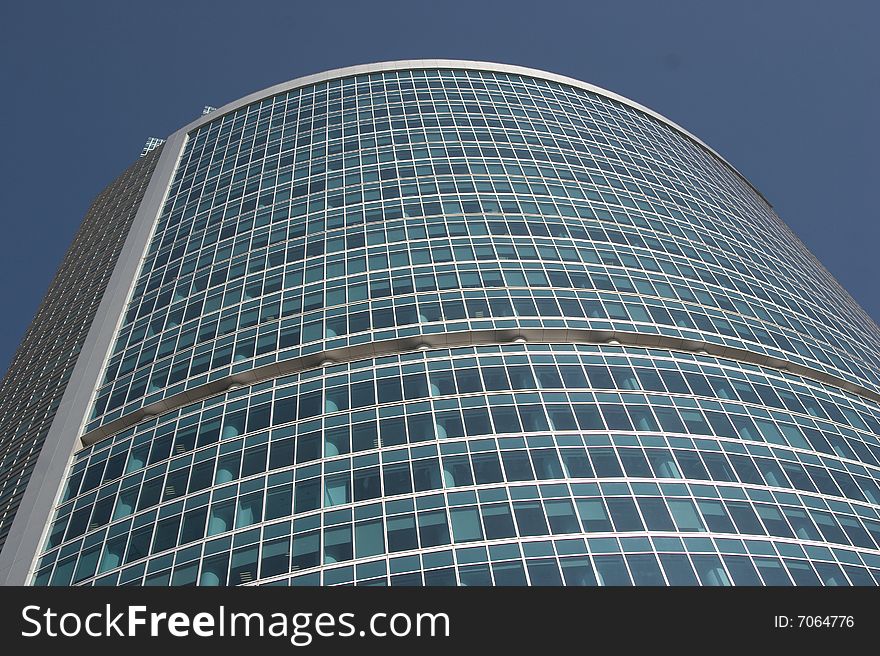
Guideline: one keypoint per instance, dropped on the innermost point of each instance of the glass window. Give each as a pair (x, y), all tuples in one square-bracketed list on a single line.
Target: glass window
[(543, 571), (275, 557), (715, 516), (773, 520), (561, 515), (433, 529), (593, 515), (214, 570), (366, 484), (243, 568), (509, 573), (307, 495), (498, 521), (745, 518), (221, 517), (337, 489), (476, 575), (772, 571), (741, 569), (427, 474), (679, 570), (466, 524), (577, 571), (457, 471), (487, 468), (605, 463), (369, 538), (250, 509), (710, 570), (306, 550), (337, 544), (685, 515), (397, 478), (530, 518), (611, 570), (644, 569), (624, 514), (662, 463), (517, 466), (655, 513), (546, 464), (801, 572), (402, 533)]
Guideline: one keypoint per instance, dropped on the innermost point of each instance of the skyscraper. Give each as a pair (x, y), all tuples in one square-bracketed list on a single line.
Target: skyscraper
[(440, 323)]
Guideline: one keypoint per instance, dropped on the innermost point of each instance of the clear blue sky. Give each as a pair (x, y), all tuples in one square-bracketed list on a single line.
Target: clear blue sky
[(787, 91)]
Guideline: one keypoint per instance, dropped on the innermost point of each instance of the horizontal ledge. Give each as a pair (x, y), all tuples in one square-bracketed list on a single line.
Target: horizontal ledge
[(455, 340)]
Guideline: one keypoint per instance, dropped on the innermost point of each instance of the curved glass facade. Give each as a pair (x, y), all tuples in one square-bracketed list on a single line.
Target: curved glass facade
[(463, 326)]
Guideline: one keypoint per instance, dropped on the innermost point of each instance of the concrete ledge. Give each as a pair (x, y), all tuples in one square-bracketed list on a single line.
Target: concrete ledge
[(453, 340)]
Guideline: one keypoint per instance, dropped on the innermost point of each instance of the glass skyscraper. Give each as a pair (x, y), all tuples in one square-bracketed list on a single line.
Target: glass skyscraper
[(444, 323)]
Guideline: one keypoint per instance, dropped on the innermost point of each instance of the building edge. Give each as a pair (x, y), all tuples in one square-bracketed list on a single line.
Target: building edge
[(32, 519)]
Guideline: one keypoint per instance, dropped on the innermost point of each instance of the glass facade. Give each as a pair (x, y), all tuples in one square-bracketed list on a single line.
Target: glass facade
[(461, 326)]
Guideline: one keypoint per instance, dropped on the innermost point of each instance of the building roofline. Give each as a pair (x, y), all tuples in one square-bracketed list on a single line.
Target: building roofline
[(454, 64)]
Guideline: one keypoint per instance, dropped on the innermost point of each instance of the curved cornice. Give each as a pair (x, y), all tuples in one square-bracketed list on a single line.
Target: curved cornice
[(453, 64)]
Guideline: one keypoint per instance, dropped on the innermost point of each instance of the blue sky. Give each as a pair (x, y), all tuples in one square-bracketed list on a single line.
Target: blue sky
[(787, 91)]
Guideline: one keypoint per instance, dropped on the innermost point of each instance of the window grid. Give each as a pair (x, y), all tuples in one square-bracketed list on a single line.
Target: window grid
[(402, 203)]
